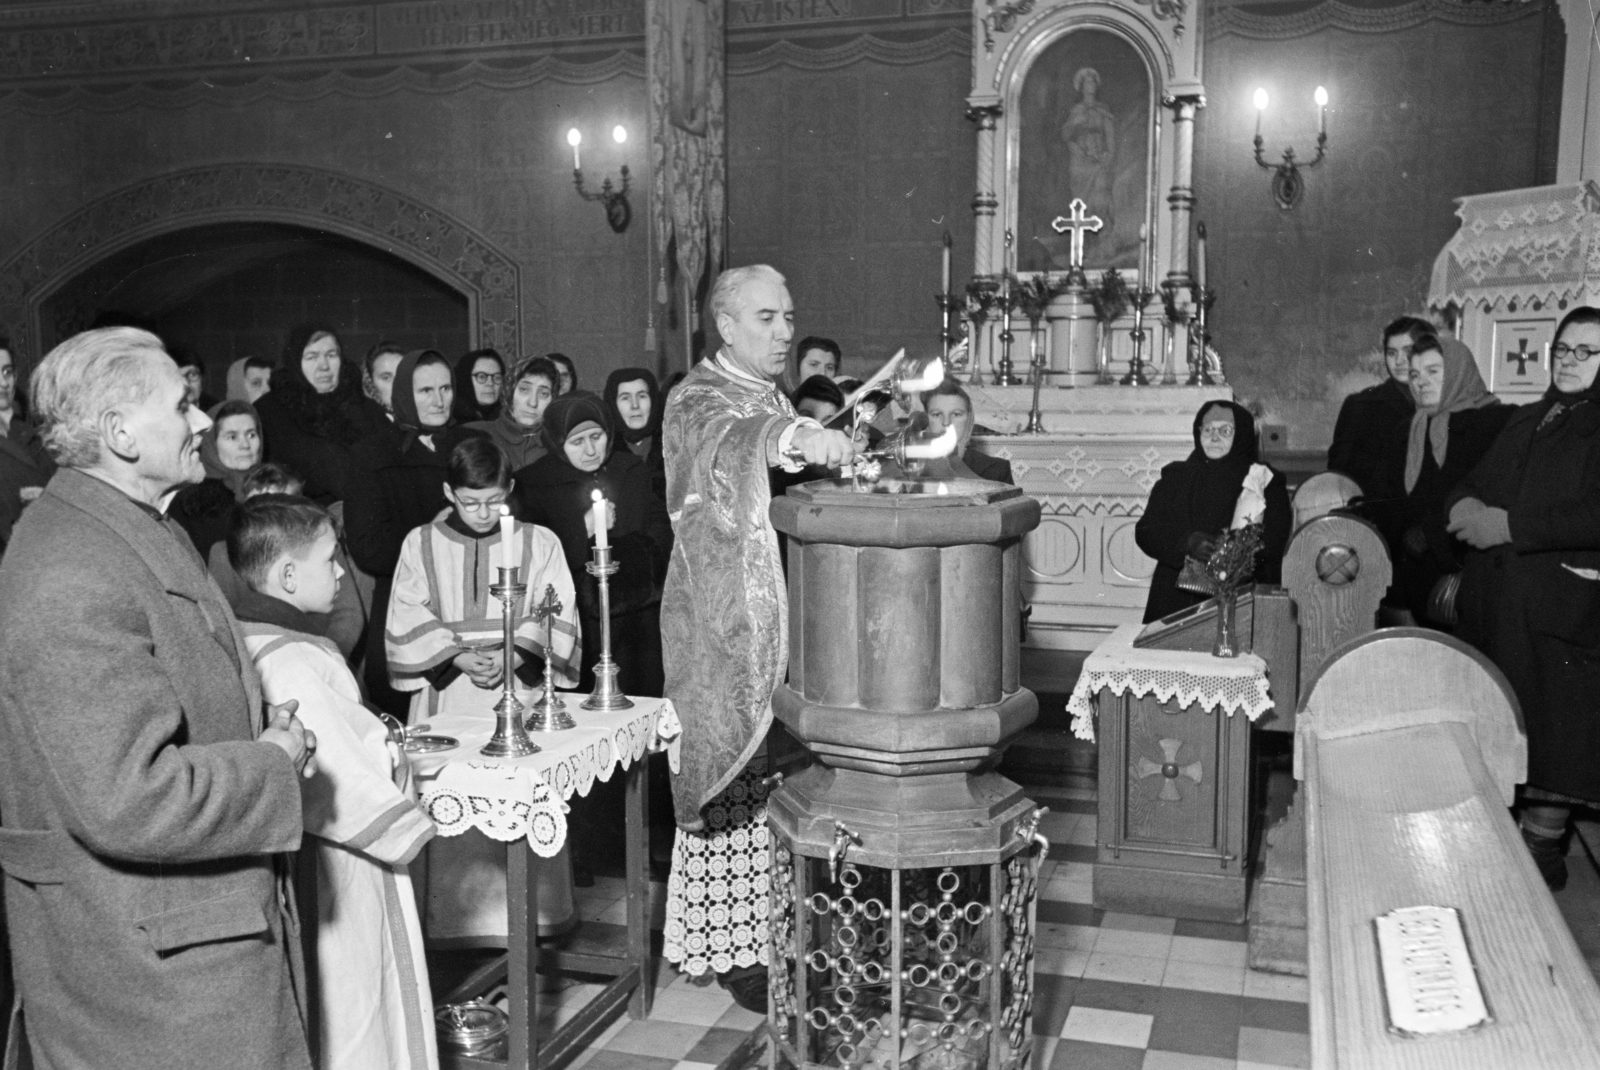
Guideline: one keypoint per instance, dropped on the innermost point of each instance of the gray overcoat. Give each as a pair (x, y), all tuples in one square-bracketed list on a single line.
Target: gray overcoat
[(142, 828)]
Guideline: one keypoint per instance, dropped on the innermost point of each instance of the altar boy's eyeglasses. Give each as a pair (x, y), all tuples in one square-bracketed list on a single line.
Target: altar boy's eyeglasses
[(480, 507)]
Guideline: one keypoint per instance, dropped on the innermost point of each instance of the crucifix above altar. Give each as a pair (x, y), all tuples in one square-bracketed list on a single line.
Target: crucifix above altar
[(1077, 222)]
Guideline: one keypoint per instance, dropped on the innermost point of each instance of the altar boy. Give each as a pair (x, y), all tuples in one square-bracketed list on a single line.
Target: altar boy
[(444, 639), (374, 1007)]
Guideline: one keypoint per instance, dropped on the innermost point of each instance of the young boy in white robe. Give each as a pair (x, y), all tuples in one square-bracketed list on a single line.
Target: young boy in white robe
[(444, 640), (374, 1008)]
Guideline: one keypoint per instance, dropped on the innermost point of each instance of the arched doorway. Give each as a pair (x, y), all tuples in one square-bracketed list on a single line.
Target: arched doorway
[(306, 197), (228, 290)]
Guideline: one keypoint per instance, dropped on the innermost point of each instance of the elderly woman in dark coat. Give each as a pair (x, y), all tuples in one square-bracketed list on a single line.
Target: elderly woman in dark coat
[(1192, 504), (555, 492), (317, 412), (397, 483), (632, 393), (229, 451), (1530, 591), (517, 430)]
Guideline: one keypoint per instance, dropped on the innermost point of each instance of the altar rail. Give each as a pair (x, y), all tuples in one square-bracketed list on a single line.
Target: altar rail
[(1410, 747)]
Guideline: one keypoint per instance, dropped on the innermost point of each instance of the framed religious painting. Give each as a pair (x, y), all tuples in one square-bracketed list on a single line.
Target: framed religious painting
[(1519, 357), (1086, 125)]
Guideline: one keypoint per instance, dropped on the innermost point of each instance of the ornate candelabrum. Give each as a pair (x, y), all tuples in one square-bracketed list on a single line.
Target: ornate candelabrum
[(549, 713), (1033, 296), (1202, 370), (510, 739), (1136, 376), (606, 695), (982, 293)]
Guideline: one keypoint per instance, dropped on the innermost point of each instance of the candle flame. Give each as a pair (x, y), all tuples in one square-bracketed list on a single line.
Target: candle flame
[(928, 378), (574, 137), (1261, 100), (942, 445), (505, 510), (1322, 97), (595, 495)]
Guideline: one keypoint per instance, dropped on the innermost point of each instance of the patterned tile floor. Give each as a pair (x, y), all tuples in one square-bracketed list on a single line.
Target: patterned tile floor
[(1113, 990)]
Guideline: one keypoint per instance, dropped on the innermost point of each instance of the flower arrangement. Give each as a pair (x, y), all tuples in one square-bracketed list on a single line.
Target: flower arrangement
[(1032, 295), (1111, 297), (1228, 567)]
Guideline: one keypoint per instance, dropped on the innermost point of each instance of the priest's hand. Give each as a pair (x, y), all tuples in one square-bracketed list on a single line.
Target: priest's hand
[(285, 730), (818, 445), (1482, 529)]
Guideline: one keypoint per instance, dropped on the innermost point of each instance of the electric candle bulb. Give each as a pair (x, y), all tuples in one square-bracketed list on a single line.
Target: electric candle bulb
[(619, 133), (1322, 97), (1261, 106), (573, 139), (1322, 110)]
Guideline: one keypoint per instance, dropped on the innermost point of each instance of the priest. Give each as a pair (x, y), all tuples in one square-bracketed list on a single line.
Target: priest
[(724, 622)]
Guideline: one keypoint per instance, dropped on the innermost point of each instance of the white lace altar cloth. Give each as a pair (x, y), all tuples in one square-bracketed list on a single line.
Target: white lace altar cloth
[(1536, 244), (1236, 685), (508, 798), (717, 895)]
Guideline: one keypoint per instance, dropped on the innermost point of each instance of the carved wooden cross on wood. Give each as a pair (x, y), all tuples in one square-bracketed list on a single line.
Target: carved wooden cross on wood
[(1078, 221), (1521, 355), (1169, 770)]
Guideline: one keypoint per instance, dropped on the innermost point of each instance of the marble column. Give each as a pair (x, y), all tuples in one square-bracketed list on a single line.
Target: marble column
[(1181, 198), (984, 202)]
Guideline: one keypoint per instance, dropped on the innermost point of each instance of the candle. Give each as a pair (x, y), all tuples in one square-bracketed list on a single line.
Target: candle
[(944, 272), (573, 139), (1322, 110), (602, 536), (509, 555), (1200, 261), (1261, 106), (1144, 242)]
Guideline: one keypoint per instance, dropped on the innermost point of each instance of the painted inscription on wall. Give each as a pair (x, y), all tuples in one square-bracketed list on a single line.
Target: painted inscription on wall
[(430, 26), (775, 12)]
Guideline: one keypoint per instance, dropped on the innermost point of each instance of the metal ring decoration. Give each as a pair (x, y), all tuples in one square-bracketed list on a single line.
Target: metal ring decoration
[(949, 1031), (949, 1004), (977, 1029), (872, 973), (949, 882), (845, 1023), (947, 913), (881, 938), (845, 906), (977, 970), (950, 973), (845, 965), (844, 996), (820, 1018), (850, 877), (918, 914), (976, 912), (919, 976), (820, 903), (947, 943), (847, 935), (847, 1052), (821, 961), (917, 1034), (873, 910)]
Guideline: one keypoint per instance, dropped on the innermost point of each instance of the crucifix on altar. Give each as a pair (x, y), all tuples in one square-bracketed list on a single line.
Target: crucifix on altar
[(1079, 222)]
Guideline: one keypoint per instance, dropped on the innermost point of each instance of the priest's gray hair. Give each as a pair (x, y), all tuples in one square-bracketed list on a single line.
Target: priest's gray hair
[(84, 377), (728, 291)]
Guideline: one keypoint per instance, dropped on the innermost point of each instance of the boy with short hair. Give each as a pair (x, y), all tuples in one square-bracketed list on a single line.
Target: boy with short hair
[(375, 1011)]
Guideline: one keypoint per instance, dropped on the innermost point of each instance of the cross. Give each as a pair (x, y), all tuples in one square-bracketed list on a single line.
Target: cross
[(1077, 222), (1170, 770), (1521, 355), (548, 607)]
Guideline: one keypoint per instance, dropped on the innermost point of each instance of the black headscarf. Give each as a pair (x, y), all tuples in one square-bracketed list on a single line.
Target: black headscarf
[(614, 383), (323, 415), (564, 361), (1561, 403), (1214, 484), (465, 407), (403, 402), (567, 412)]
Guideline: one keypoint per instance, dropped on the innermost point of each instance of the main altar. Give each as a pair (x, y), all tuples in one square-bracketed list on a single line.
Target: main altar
[(1081, 332)]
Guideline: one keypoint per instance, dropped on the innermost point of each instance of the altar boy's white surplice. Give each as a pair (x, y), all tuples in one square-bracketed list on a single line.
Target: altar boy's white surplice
[(375, 1009)]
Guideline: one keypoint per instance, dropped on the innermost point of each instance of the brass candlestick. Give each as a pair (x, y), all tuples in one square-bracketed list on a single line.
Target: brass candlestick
[(950, 306), (606, 695), (549, 713), (1136, 375), (510, 739)]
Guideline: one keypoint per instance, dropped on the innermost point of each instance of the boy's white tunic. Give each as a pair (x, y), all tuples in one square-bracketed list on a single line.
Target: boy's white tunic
[(374, 1004), (441, 606)]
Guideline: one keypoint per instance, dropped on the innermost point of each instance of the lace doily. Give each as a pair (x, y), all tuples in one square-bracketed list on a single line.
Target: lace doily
[(1234, 685), (504, 802), (717, 911)]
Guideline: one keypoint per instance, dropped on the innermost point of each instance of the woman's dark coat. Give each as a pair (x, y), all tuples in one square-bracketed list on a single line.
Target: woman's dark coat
[(1523, 605), (1196, 497), (1372, 424)]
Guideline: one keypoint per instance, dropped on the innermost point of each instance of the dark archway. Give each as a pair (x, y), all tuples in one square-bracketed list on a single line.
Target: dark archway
[(229, 290)]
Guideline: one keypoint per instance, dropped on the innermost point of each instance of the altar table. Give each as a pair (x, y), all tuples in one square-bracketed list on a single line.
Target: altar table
[(522, 803)]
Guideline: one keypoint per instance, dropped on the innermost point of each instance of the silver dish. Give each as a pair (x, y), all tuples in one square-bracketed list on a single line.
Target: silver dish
[(425, 744)]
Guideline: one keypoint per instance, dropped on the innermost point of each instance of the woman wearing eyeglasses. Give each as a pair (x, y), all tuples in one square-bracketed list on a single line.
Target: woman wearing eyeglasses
[(1530, 591), (477, 379), (1196, 499)]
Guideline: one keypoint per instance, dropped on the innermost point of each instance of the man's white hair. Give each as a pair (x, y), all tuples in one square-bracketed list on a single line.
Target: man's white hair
[(727, 293), (84, 377)]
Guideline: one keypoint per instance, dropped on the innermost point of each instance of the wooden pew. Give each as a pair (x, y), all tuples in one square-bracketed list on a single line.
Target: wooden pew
[(1409, 748)]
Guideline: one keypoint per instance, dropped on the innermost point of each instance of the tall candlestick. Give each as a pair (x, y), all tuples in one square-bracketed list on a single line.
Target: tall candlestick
[(602, 536), (1200, 261), (944, 271)]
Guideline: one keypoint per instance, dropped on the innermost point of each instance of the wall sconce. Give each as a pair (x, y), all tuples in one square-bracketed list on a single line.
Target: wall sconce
[(1287, 185), (619, 213)]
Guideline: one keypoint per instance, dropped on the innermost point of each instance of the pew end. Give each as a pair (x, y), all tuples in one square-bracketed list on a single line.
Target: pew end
[(1409, 747)]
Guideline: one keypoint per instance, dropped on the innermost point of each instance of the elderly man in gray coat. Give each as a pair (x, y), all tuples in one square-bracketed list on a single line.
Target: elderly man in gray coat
[(146, 805)]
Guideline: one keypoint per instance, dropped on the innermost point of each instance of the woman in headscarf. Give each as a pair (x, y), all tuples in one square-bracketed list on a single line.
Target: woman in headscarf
[(633, 395), (518, 428), (1192, 505), (1455, 422), (568, 370), (397, 483), (316, 412), (555, 492), (1530, 590), (230, 450), (478, 378)]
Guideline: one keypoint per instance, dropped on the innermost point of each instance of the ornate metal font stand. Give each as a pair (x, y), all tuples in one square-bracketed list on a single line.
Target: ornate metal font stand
[(510, 739)]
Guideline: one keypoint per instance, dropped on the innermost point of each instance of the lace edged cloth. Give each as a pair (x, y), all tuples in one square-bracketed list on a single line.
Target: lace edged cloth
[(1235, 685), (511, 798)]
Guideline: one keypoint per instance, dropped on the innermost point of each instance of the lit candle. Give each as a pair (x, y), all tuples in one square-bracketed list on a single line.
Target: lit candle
[(1200, 261), (1144, 244), (1261, 106), (602, 537), (573, 139), (1322, 110), (509, 557), (944, 272)]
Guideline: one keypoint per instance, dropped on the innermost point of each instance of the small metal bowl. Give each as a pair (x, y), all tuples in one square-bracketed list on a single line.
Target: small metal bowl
[(475, 1028), (428, 743)]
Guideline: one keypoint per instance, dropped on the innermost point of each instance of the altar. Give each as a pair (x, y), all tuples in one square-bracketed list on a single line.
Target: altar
[(1091, 471)]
